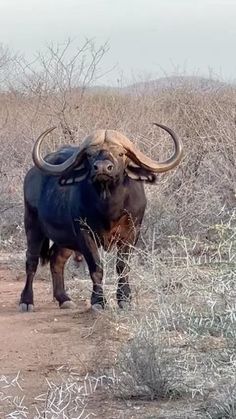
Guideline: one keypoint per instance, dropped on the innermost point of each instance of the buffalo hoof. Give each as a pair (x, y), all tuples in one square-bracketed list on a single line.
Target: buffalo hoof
[(124, 305), (97, 307), (23, 308), (68, 305), (78, 257)]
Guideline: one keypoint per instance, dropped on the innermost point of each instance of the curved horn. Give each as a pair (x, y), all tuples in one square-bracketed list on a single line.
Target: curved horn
[(142, 160), (75, 159)]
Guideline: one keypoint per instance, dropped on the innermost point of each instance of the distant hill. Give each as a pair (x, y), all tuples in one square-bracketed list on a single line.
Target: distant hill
[(176, 82), (194, 83)]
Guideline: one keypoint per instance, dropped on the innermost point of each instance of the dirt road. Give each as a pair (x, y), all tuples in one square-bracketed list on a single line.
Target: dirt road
[(38, 344)]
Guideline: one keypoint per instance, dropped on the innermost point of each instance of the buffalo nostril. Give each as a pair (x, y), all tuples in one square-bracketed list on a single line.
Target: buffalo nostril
[(95, 166), (110, 167)]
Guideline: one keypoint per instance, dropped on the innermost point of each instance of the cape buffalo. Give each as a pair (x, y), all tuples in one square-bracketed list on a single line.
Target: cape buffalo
[(84, 197)]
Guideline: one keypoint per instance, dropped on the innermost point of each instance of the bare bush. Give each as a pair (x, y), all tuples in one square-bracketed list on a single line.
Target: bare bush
[(145, 368), (182, 337), (222, 407), (196, 196), (56, 80), (7, 67)]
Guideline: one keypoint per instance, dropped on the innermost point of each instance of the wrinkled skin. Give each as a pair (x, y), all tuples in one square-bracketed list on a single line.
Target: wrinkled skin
[(98, 205)]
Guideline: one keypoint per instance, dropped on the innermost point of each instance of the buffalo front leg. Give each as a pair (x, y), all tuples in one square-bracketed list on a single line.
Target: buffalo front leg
[(91, 255), (59, 257), (123, 293)]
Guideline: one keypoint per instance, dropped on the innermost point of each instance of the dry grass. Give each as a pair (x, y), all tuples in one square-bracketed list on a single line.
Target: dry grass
[(67, 399)]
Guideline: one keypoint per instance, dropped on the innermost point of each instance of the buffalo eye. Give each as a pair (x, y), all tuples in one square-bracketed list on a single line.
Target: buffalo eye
[(121, 154)]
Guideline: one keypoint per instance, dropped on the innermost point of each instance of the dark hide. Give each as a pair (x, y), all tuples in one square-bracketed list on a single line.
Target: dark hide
[(81, 216)]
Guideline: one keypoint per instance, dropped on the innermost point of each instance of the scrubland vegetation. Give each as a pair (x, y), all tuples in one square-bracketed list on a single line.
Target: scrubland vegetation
[(179, 356)]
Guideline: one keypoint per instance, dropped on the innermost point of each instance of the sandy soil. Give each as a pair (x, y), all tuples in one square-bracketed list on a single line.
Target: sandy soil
[(48, 340), (38, 343)]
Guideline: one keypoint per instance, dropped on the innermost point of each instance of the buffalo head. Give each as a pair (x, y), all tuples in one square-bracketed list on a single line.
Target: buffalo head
[(104, 157)]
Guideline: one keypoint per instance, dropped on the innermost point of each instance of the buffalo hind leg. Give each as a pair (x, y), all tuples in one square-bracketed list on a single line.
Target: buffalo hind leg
[(35, 243), (123, 293), (27, 299), (59, 257)]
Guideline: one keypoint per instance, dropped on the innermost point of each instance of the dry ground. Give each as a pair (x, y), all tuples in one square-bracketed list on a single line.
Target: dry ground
[(37, 344), (54, 349), (49, 345)]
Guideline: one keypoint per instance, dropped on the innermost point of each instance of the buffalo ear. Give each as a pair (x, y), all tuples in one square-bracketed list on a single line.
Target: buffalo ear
[(74, 176), (140, 174)]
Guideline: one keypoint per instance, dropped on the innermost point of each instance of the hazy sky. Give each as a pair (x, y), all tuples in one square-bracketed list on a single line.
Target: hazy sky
[(146, 37)]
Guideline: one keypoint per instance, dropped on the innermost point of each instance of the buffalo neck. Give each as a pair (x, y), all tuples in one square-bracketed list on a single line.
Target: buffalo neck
[(107, 199)]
